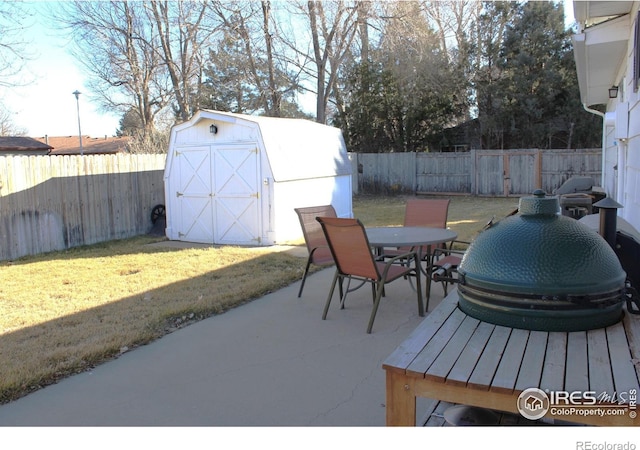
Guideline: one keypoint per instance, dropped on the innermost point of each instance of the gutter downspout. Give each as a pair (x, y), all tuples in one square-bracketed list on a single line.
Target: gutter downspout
[(582, 25), (604, 137), (622, 163)]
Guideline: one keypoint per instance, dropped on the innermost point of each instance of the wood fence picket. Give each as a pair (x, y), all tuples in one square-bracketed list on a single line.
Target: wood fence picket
[(50, 203)]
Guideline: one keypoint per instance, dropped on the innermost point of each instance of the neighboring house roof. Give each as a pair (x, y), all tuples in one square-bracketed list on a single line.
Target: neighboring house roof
[(462, 137), (23, 144), (70, 145)]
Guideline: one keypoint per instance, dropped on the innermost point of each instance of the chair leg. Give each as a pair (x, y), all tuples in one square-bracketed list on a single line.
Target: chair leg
[(428, 288), (419, 291), (343, 295), (378, 290), (333, 287), (304, 276)]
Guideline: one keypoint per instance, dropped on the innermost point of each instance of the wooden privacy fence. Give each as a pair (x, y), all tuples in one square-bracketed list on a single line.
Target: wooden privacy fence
[(478, 172), (52, 203)]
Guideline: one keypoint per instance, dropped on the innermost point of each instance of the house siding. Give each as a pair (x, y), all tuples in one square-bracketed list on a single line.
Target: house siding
[(629, 152)]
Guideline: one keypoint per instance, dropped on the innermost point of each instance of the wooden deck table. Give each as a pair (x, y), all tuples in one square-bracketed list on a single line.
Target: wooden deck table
[(455, 358)]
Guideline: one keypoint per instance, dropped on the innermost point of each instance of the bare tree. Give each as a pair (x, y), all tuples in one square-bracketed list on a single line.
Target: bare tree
[(364, 13), (184, 35), (273, 92), (327, 30), (492, 24), (332, 28), (7, 126), (142, 56), (253, 46), (13, 45), (455, 23), (240, 21), (115, 43), (452, 21)]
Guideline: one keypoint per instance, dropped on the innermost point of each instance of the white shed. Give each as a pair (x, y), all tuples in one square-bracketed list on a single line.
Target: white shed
[(236, 179)]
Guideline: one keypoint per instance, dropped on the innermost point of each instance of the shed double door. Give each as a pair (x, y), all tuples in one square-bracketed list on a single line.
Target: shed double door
[(218, 194)]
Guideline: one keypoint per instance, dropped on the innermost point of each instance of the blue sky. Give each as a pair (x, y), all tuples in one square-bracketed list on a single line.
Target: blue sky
[(48, 107)]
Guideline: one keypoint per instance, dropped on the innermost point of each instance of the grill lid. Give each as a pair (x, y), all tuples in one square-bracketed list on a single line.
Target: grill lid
[(540, 270)]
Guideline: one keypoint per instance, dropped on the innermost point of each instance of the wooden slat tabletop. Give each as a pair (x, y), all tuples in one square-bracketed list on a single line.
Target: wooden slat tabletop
[(632, 330), (406, 352), (554, 362), (430, 352), (464, 366), (599, 363), (577, 367), (533, 361), (454, 357), (490, 358), (510, 365), (450, 353), (624, 374), (453, 348)]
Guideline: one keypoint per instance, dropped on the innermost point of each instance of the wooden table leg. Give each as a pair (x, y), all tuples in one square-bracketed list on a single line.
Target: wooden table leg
[(401, 400)]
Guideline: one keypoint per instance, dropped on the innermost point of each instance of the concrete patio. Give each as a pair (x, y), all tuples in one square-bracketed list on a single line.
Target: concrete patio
[(272, 362)]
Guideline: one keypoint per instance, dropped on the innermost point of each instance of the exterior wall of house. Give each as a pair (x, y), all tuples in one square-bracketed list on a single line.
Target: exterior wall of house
[(627, 147), (609, 162)]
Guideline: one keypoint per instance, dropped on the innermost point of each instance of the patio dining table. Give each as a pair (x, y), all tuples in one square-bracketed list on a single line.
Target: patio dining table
[(422, 238), (425, 237)]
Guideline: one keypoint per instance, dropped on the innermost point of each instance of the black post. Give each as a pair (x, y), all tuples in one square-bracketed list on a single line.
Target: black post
[(608, 219)]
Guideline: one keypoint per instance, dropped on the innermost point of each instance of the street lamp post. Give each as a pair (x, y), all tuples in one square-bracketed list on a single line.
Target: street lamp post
[(77, 94)]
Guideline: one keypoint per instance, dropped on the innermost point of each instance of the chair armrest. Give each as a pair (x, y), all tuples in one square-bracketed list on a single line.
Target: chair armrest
[(443, 252), (408, 255), (317, 248), (459, 243), (405, 256), (439, 251)]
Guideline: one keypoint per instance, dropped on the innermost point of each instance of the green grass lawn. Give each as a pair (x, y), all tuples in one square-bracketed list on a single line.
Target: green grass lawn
[(467, 215), (64, 312)]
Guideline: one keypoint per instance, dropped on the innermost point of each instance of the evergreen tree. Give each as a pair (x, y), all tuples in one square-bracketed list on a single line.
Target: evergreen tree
[(532, 99), (227, 87), (407, 93), (490, 30)]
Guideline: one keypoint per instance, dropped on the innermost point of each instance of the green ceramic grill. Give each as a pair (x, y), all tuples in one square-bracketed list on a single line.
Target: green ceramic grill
[(539, 270)]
